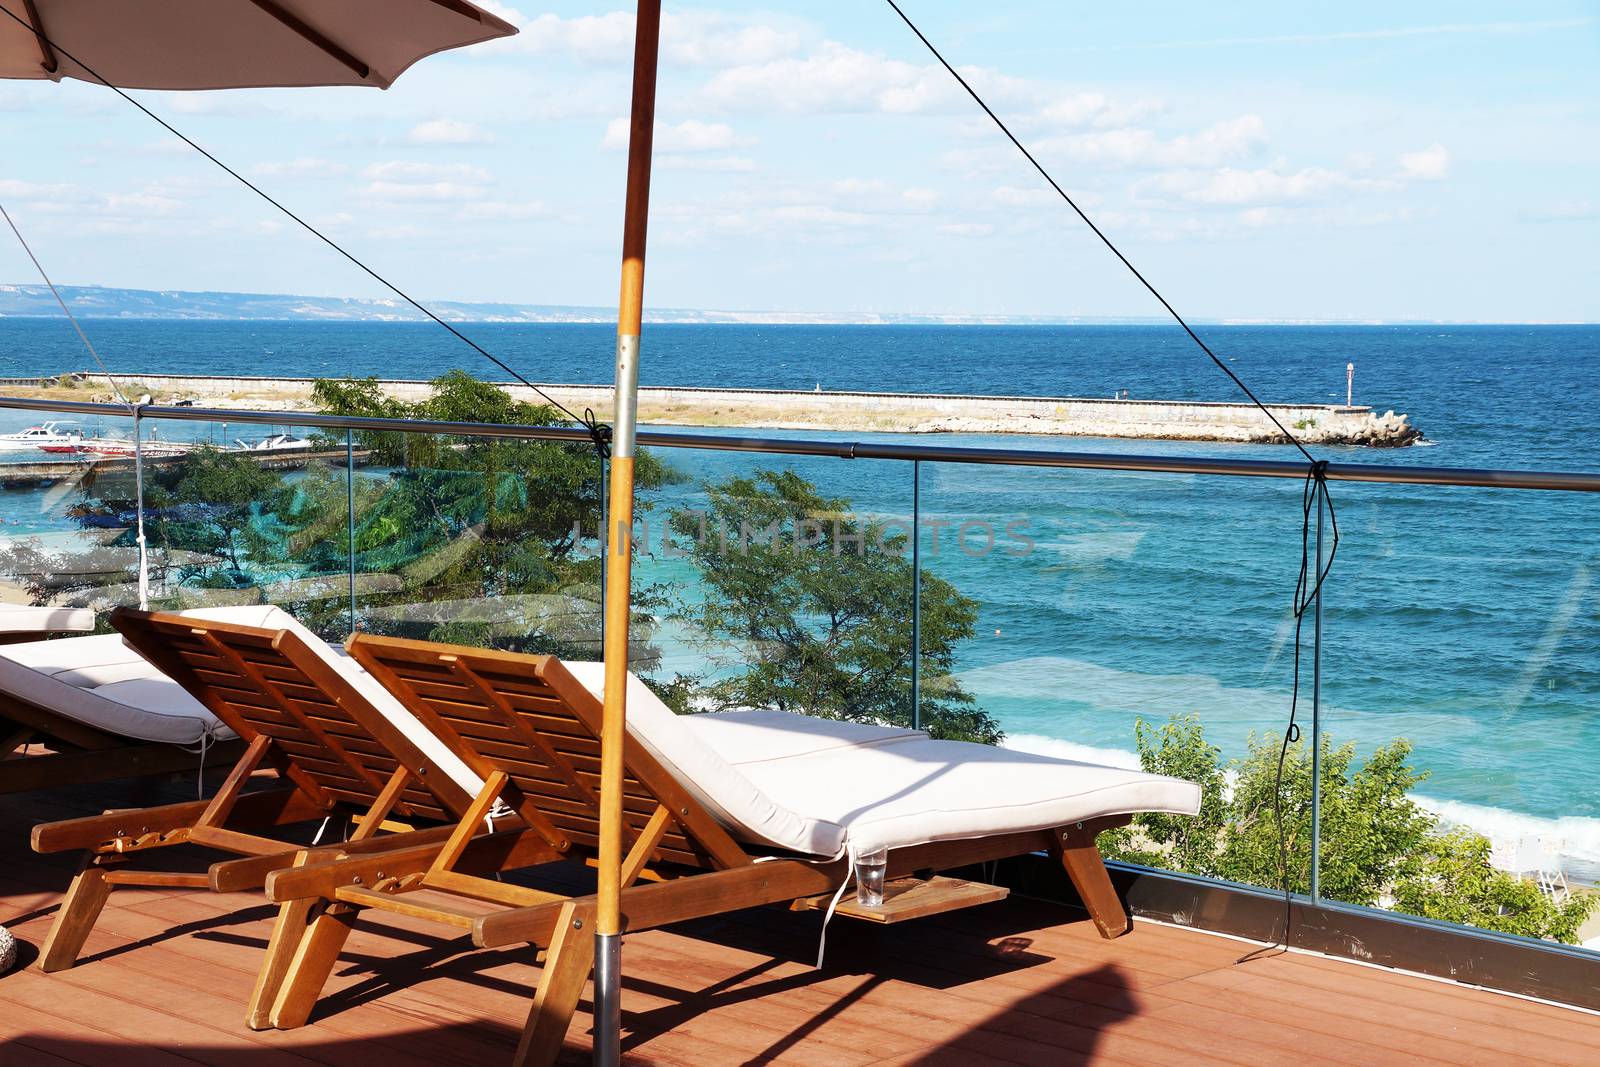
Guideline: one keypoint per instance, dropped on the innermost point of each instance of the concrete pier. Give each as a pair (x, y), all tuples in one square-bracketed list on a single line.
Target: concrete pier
[(895, 412)]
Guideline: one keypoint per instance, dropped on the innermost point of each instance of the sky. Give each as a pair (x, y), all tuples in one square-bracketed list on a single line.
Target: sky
[(1359, 161)]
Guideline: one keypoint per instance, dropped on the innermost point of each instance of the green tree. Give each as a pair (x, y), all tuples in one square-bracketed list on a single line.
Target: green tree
[(1455, 881), (817, 601), (205, 505), (1177, 842), (484, 532), (1370, 826), (1377, 842)]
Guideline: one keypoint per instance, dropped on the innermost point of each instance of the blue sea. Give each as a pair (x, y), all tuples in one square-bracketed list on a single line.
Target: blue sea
[(1466, 621)]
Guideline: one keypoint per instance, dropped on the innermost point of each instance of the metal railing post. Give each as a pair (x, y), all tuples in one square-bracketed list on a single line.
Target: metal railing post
[(916, 594), (350, 517), (1316, 716)]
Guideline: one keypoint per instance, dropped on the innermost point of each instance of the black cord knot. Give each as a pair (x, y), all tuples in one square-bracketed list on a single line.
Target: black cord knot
[(599, 433)]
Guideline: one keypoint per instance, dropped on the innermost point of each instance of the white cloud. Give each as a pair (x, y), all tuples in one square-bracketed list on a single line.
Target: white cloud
[(447, 131), (1565, 211), (501, 210), (400, 232), (423, 191), (1446, 29), (15, 190), (712, 39), (406, 180), (690, 38), (690, 135), (834, 78), (304, 167), (1009, 196), (729, 164), (1429, 164), (406, 171), (967, 229), (1074, 110), (828, 211), (1138, 147), (141, 204), (1094, 109), (1266, 185)]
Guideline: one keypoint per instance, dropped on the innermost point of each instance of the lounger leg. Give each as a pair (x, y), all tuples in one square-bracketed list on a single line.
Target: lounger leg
[(287, 933), (79, 910), (566, 969), (1087, 869), (313, 961)]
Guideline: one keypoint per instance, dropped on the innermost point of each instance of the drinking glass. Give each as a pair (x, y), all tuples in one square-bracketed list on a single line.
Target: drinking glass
[(870, 867)]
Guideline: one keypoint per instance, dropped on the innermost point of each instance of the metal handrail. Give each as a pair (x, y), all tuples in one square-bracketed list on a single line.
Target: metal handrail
[(1571, 481)]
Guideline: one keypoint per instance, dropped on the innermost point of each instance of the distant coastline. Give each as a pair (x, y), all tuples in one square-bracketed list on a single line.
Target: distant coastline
[(102, 302)]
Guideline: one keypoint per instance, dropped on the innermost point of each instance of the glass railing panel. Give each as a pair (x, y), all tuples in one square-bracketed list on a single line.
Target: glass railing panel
[(66, 513), (778, 582), (244, 513), (233, 514), (1461, 681), (481, 541), (1127, 619)]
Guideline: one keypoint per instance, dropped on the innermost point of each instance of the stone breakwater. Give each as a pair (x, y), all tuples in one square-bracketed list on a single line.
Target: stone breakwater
[(858, 411)]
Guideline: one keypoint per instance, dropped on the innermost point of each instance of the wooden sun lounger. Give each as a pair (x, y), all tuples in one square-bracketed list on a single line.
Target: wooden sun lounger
[(531, 731), (333, 754)]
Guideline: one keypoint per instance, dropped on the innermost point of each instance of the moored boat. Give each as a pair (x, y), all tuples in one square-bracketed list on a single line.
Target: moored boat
[(44, 435)]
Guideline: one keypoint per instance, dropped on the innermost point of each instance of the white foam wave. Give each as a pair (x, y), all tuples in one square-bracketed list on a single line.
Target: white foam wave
[(1573, 839)]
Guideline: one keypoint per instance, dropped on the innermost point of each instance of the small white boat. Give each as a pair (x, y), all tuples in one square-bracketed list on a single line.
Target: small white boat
[(46, 433), (278, 442)]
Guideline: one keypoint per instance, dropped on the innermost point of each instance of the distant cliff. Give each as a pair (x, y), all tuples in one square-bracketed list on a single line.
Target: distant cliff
[(92, 301)]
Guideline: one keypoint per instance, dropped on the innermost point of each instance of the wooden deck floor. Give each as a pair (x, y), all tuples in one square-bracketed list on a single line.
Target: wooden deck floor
[(167, 972)]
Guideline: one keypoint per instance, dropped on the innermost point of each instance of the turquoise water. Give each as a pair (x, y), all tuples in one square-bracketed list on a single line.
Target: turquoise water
[(1465, 620)]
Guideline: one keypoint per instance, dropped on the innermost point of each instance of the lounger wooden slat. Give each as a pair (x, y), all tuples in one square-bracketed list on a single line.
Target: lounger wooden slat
[(297, 716)]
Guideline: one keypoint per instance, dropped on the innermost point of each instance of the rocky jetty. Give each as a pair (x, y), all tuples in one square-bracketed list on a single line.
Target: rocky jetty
[(1170, 420)]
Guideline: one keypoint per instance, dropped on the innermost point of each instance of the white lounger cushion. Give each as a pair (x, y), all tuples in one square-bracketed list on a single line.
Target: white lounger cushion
[(727, 794), (747, 737), (100, 682), (820, 787), (915, 791), (27, 619)]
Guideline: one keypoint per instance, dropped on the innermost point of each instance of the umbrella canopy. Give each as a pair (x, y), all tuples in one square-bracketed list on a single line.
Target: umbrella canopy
[(234, 44)]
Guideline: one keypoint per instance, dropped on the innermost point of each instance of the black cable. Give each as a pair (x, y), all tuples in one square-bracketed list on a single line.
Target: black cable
[(601, 435), (1308, 587), (1087, 221)]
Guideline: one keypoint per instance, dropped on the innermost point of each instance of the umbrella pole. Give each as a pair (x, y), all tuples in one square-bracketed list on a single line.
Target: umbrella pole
[(619, 540)]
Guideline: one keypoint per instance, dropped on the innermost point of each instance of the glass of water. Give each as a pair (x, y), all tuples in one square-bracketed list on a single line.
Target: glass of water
[(870, 868)]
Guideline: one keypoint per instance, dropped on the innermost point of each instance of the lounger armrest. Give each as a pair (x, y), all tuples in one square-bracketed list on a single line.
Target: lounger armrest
[(232, 876), (498, 851), (273, 807)]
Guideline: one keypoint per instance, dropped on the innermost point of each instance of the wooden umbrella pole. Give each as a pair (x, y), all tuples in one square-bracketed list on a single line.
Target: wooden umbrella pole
[(619, 540)]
